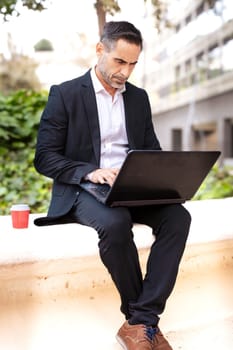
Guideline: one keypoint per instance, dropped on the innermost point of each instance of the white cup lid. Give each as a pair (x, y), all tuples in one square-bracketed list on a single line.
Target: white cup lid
[(20, 207)]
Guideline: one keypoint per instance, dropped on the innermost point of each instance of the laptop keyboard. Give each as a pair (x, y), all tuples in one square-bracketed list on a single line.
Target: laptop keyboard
[(101, 189)]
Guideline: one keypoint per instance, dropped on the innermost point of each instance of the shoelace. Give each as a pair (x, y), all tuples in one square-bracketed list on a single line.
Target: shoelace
[(150, 332)]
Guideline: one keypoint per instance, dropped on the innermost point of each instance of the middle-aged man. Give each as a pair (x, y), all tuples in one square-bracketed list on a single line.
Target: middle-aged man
[(88, 126)]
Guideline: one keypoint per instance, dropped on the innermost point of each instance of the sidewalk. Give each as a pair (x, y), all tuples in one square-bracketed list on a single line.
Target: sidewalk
[(199, 316)]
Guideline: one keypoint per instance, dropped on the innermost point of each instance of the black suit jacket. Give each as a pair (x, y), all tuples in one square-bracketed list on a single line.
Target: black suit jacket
[(68, 145)]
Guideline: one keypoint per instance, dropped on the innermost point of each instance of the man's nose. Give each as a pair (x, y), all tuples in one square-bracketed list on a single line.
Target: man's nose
[(126, 70)]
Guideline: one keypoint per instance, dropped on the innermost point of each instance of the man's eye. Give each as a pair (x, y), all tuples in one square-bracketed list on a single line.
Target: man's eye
[(120, 61)]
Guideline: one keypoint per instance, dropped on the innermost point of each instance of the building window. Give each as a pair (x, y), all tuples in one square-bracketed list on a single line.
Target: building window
[(228, 138), (200, 9), (177, 72), (227, 62), (215, 64), (177, 28), (188, 72), (202, 67), (177, 139), (205, 136), (188, 19), (177, 78)]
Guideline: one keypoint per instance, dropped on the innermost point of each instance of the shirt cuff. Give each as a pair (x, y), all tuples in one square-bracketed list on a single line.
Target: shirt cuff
[(89, 176)]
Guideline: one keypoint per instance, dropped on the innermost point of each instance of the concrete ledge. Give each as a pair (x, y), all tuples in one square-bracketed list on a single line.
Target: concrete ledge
[(54, 242), (211, 221), (63, 259), (53, 260)]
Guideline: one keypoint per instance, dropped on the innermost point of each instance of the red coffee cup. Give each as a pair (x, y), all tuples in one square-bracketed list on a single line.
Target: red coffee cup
[(20, 215)]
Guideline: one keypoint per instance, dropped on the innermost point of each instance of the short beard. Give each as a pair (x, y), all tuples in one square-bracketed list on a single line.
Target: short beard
[(108, 80)]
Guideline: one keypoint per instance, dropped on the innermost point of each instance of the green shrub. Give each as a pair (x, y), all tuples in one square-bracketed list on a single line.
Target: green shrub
[(43, 45), (19, 118), (19, 182), (218, 184)]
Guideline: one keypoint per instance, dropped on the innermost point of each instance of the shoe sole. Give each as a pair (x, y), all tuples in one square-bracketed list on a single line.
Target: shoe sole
[(120, 341)]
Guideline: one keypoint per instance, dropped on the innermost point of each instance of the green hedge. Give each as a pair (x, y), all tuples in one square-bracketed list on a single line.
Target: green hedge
[(19, 182), (218, 184)]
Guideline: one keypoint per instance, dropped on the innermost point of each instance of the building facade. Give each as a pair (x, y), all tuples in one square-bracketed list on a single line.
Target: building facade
[(191, 87)]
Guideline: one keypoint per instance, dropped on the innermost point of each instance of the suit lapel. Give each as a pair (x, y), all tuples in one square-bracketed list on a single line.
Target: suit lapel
[(129, 119), (89, 100)]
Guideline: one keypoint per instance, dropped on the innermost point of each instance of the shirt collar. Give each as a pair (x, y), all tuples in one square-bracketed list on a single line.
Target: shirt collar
[(98, 87)]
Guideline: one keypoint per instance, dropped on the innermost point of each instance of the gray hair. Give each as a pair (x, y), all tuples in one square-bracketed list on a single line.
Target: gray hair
[(113, 31)]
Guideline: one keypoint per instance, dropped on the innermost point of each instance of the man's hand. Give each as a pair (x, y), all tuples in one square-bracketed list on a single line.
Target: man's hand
[(106, 175)]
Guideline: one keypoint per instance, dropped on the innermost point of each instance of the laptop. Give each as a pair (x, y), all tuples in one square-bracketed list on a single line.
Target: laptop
[(149, 177)]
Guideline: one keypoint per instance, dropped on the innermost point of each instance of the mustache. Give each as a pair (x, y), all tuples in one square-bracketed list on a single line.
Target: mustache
[(120, 77)]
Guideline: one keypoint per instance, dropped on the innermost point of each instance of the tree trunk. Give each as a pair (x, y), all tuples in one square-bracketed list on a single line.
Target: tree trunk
[(101, 15)]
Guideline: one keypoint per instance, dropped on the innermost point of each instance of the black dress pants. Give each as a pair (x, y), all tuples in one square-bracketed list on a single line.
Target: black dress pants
[(143, 298)]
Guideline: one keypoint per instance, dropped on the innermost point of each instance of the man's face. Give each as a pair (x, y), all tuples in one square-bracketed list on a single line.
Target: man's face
[(115, 66)]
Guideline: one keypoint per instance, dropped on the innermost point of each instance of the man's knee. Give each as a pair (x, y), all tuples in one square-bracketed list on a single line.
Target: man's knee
[(181, 220), (185, 216), (178, 218), (117, 228)]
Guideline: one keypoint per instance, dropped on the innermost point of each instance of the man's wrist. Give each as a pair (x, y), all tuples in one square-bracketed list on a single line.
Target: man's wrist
[(89, 176)]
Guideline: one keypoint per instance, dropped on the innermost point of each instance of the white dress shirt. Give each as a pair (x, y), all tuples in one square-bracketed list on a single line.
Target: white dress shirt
[(111, 113)]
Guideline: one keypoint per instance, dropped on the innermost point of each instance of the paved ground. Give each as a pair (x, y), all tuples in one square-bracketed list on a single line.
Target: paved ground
[(199, 316)]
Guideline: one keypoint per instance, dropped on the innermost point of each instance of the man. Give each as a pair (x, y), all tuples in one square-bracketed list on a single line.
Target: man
[(86, 130)]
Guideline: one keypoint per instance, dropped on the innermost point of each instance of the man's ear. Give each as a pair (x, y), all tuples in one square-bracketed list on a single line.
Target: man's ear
[(99, 49)]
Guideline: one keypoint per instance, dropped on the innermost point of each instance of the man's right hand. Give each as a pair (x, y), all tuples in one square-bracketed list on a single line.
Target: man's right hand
[(102, 176)]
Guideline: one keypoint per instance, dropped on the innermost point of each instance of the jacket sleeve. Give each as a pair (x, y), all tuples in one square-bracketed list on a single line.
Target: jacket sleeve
[(50, 156)]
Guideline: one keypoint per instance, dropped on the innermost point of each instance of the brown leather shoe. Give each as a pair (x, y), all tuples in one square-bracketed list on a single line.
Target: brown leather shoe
[(160, 343), (136, 337), (141, 337)]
